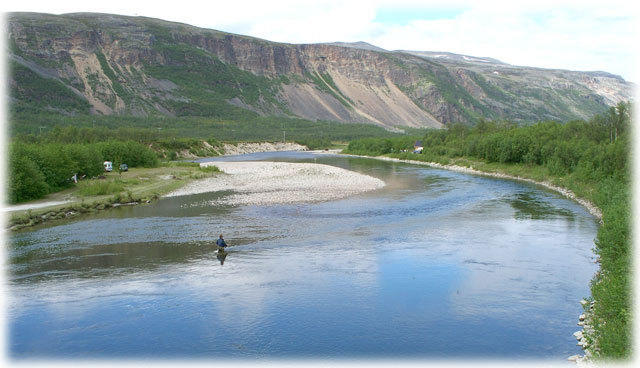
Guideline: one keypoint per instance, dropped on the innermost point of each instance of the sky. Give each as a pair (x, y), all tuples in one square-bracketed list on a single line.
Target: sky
[(576, 35)]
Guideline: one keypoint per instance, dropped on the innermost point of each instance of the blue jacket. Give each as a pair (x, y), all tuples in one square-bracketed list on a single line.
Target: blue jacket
[(221, 242)]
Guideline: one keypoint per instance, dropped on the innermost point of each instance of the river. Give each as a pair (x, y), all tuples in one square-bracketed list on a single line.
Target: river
[(436, 264)]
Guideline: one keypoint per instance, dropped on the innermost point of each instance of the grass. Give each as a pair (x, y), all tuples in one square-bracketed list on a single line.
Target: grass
[(610, 287), (136, 185), (209, 169), (99, 187)]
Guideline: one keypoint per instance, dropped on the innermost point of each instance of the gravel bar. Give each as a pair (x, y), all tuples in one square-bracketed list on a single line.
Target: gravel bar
[(265, 183)]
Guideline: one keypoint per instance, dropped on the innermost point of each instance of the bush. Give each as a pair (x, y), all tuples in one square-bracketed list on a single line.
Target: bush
[(589, 157), (36, 169), (26, 181), (132, 153), (89, 160), (381, 146)]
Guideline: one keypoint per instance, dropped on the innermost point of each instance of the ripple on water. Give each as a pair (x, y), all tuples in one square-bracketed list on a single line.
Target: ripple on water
[(436, 264)]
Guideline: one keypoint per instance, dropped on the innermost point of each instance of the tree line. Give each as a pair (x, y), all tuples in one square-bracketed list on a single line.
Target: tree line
[(591, 158), (261, 128), (592, 149), (37, 169)]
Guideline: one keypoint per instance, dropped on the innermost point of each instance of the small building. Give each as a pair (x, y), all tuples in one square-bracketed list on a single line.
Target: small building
[(417, 147), (108, 166)]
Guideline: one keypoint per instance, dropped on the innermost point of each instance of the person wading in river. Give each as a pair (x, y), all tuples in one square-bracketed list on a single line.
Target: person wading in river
[(221, 243)]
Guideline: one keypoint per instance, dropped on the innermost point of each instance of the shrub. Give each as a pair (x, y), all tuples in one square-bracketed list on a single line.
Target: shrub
[(26, 181), (36, 169)]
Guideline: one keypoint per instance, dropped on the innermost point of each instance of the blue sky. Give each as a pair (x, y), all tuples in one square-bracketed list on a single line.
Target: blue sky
[(575, 35)]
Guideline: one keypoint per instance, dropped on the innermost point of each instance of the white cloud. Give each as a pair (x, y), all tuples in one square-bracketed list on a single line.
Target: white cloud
[(553, 38), (576, 35)]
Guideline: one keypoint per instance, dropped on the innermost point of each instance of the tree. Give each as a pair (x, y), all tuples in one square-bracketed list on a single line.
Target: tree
[(26, 181), (618, 119)]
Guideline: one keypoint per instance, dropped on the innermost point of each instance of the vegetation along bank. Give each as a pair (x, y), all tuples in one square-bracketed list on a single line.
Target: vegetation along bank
[(589, 158), (43, 162)]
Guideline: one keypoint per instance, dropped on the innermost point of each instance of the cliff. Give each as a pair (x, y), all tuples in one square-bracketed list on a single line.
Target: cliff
[(110, 64)]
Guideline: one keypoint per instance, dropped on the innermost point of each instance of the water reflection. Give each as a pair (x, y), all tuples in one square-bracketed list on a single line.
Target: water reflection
[(435, 264), (221, 254), (532, 206), (103, 259)]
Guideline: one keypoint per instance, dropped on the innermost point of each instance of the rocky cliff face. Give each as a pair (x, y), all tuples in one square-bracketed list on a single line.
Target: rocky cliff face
[(108, 64)]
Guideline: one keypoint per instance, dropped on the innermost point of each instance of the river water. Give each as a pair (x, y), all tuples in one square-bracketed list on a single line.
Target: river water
[(437, 264)]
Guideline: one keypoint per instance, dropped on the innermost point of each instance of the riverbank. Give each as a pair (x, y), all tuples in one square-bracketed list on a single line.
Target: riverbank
[(240, 148), (395, 253), (154, 183), (136, 186), (265, 183), (593, 210), (587, 336)]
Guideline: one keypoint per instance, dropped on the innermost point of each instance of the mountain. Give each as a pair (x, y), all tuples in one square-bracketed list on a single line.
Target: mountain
[(358, 45), (111, 64), (453, 58)]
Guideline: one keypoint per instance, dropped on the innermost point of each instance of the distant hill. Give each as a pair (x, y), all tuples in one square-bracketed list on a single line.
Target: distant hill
[(112, 64), (451, 57), (358, 45)]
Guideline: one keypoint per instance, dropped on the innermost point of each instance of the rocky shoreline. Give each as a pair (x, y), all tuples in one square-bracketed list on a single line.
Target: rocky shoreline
[(74, 209), (307, 191), (245, 147), (593, 210), (586, 339), (265, 183)]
